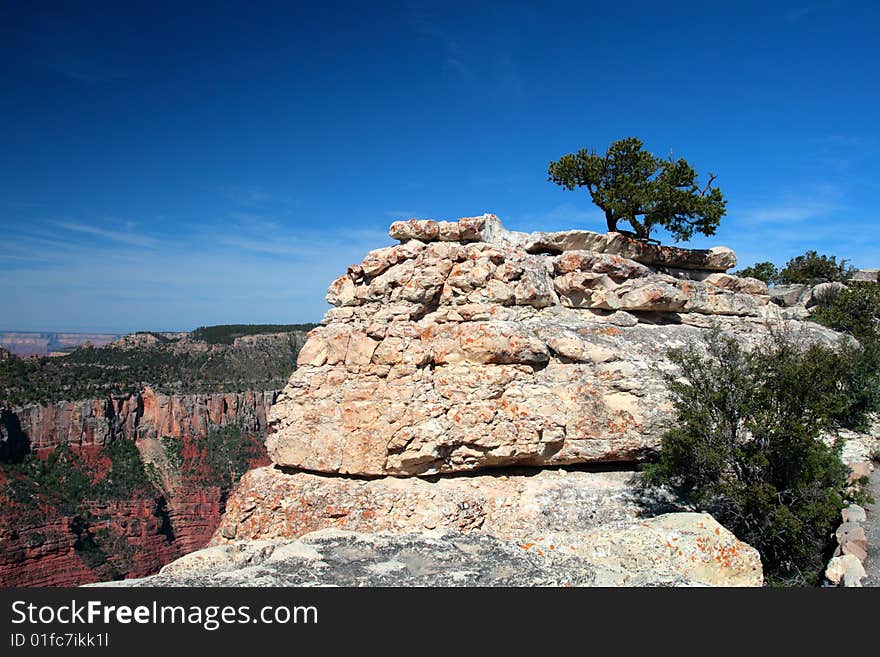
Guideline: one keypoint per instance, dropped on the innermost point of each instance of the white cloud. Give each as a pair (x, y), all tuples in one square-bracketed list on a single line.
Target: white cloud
[(796, 13), (128, 237), (795, 212)]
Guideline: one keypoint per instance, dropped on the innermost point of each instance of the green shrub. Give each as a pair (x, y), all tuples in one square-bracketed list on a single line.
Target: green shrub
[(173, 448), (155, 478), (127, 477), (763, 271), (812, 268), (61, 481), (747, 448), (854, 310), (221, 457)]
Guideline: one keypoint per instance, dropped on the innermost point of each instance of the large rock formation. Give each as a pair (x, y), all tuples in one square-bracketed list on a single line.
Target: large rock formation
[(147, 414), (449, 420), (468, 346)]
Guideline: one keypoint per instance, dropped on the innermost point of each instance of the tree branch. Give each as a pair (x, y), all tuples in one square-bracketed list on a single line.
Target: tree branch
[(708, 186)]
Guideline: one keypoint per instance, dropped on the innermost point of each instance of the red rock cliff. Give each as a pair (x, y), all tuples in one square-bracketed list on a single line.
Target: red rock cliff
[(147, 414), (48, 548)]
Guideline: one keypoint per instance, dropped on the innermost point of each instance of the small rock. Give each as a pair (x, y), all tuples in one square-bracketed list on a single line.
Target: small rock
[(854, 549), (622, 318), (851, 581), (854, 513), (847, 566), (859, 470), (850, 532), (789, 295)]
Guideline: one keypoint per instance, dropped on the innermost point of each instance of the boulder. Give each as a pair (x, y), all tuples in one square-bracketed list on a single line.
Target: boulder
[(790, 295), (854, 549), (851, 533), (854, 513), (825, 291), (859, 470)]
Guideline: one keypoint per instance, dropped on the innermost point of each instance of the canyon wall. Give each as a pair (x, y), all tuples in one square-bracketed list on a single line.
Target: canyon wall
[(130, 417), (47, 546), (54, 549), (54, 552)]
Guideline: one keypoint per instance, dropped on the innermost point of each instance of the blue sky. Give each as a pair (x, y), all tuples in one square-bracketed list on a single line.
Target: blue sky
[(164, 167)]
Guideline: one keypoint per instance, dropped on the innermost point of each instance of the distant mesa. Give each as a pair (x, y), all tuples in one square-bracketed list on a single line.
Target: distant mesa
[(23, 343)]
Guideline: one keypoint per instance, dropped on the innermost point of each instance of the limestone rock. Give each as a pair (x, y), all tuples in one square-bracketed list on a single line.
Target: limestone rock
[(745, 285), (846, 569), (488, 228), (551, 389), (854, 513), (790, 295), (693, 545), (865, 275), (851, 533), (273, 504), (622, 318), (444, 356), (859, 470), (670, 550), (854, 549), (824, 291)]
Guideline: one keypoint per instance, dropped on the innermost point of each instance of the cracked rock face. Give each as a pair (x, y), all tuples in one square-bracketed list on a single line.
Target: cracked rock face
[(469, 346), (682, 549), (272, 504)]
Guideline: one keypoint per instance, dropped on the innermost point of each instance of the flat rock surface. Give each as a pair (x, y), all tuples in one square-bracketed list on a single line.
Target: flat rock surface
[(669, 550), (269, 503)]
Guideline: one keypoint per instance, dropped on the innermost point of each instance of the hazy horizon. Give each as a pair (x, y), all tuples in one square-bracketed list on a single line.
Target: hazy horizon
[(99, 331)]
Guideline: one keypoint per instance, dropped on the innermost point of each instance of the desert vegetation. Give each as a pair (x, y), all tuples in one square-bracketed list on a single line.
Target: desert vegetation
[(750, 445), (630, 184), (810, 268), (205, 361)]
